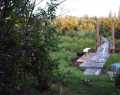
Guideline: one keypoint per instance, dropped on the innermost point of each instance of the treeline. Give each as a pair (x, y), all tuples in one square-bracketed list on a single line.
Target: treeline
[(72, 23)]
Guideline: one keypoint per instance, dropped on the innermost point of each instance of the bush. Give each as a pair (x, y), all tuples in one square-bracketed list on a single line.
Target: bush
[(117, 45), (26, 40), (117, 33), (113, 58), (117, 79), (29, 85)]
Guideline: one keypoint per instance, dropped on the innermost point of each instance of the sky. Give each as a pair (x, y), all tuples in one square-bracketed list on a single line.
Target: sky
[(90, 7)]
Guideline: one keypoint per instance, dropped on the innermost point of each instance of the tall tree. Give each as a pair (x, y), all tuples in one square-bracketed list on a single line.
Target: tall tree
[(114, 15), (26, 42), (110, 14)]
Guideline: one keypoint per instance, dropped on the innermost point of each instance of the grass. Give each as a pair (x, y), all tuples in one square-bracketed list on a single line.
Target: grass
[(117, 45), (98, 87), (73, 42), (77, 41), (113, 58)]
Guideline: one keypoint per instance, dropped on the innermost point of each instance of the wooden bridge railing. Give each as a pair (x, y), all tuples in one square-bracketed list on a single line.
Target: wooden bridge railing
[(111, 40), (99, 39)]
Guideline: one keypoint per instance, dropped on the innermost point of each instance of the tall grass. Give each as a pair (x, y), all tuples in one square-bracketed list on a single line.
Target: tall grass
[(101, 86), (81, 34), (113, 58), (77, 41)]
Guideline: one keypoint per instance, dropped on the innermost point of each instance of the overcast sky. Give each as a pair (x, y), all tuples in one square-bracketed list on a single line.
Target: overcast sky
[(90, 7)]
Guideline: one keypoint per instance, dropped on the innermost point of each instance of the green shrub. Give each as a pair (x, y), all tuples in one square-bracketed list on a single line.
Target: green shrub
[(113, 58), (29, 85), (26, 40), (81, 34), (117, 45), (117, 79), (117, 33)]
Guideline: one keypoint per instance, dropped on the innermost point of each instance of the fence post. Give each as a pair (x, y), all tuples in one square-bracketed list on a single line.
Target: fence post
[(112, 46), (97, 36)]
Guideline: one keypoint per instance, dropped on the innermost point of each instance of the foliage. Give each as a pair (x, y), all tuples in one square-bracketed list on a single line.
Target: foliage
[(117, 45), (117, 79), (68, 23), (106, 24), (26, 41), (117, 33), (77, 41), (29, 85), (113, 58), (72, 23)]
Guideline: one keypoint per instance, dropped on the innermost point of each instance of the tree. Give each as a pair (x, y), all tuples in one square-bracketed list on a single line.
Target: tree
[(114, 15), (26, 41), (110, 14)]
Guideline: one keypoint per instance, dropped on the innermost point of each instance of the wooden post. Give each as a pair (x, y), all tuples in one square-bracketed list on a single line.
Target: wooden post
[(97, 36), (109, 44), (97, 29), (112, 48)]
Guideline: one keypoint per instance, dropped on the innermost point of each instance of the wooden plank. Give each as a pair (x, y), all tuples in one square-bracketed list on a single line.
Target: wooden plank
[(89, 71), (92, 71), (97, 71), (84, 59), (86, 65)]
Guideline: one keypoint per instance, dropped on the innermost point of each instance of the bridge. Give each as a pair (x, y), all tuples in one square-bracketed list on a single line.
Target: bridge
[(93, 63), (96, 61)]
